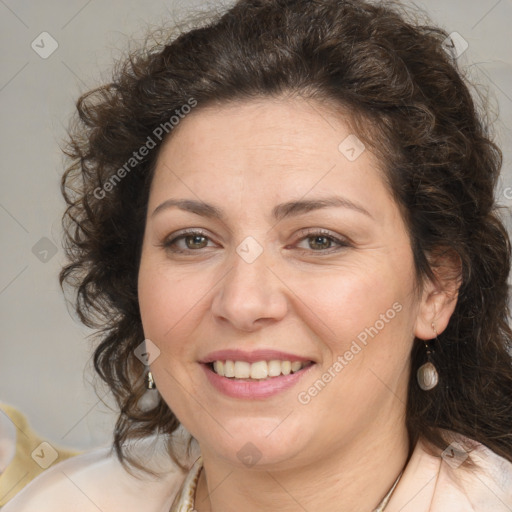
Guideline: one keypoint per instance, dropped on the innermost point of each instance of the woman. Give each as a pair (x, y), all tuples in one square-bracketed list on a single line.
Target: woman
[(285, 220)]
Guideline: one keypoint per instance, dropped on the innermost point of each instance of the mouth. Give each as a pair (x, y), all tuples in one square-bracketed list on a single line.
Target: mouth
[(259, 371)]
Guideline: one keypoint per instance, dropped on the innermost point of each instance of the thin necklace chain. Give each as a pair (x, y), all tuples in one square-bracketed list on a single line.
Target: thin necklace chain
[(380, 507), (383, 504)]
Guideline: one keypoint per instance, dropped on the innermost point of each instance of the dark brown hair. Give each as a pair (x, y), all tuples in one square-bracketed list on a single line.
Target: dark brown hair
[(395, 77)]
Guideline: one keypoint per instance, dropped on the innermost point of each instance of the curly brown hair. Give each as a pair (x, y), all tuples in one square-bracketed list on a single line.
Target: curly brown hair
[(397, 80)]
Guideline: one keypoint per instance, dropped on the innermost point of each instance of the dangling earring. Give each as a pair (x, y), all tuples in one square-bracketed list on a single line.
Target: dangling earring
[(150, 383), (427, 375)]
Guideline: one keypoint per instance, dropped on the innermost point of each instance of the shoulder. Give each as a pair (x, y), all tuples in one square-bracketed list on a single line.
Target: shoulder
[(97, 481), (487, 485), (436, 481)]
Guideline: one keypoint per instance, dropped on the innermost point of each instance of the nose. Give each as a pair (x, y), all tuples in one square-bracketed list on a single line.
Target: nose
[(250, 295)]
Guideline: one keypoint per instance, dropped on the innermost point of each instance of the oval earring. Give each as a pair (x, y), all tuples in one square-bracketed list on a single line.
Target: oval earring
[(427, 375)]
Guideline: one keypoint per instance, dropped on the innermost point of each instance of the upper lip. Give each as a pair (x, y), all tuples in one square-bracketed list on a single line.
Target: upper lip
[(252, 357)]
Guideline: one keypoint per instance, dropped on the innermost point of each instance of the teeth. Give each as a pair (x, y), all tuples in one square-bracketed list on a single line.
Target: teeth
[(259, 371), (286, 367), (229, 369), (274, 368), (218, 367), (296, 365), (242, 369)]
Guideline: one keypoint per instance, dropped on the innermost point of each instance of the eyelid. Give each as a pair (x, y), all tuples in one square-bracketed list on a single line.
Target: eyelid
[(187, 231), (306, 232)]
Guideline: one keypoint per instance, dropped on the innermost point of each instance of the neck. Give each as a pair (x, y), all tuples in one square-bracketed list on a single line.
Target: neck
[(352, 478)]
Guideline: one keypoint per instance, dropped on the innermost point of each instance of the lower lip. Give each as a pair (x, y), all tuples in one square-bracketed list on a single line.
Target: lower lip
[(255, 389)]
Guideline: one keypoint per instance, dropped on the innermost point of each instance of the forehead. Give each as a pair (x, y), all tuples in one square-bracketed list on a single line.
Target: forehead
[(284, 125), (266, 149)]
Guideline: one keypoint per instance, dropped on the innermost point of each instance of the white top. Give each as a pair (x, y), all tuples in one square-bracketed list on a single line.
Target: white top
[(97, 481)]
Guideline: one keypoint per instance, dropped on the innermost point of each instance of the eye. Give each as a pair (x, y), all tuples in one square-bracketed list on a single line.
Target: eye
[(319, 241), (187, 241), (323, 241)]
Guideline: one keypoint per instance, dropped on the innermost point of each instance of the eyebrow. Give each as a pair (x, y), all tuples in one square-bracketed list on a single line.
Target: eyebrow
[(281, 211)]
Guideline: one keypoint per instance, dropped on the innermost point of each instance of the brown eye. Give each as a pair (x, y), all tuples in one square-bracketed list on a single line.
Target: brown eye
[(188, 241), (195, 241), (320, 242)]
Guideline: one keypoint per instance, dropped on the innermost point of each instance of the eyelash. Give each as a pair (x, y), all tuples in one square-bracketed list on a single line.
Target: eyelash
[(342, 243)]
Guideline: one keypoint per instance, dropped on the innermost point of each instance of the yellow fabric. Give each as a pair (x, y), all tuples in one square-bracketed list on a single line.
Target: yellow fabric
[(29, 451)]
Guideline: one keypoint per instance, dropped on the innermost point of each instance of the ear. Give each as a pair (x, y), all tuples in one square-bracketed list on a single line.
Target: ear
[(439, 296)]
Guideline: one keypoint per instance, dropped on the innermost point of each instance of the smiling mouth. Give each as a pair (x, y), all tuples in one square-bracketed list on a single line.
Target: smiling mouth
[(258, 371)]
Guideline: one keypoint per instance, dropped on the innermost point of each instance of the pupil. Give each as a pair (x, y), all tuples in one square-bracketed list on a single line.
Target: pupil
[(321, 241), (196, 240)]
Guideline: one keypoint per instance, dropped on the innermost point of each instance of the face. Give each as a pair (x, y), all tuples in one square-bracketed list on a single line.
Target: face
[(269, 272)]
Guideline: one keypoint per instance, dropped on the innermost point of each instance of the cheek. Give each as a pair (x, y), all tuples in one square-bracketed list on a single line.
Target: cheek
[(348, 300), (171, 302), (364, 321), (364, 314), (165, 298), (170, 307)]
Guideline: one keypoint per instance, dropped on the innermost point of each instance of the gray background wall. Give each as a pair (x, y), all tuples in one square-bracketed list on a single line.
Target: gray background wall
[(44, 356)]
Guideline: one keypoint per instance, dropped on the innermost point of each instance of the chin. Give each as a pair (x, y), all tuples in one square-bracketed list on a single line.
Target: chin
[(259, 446)]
